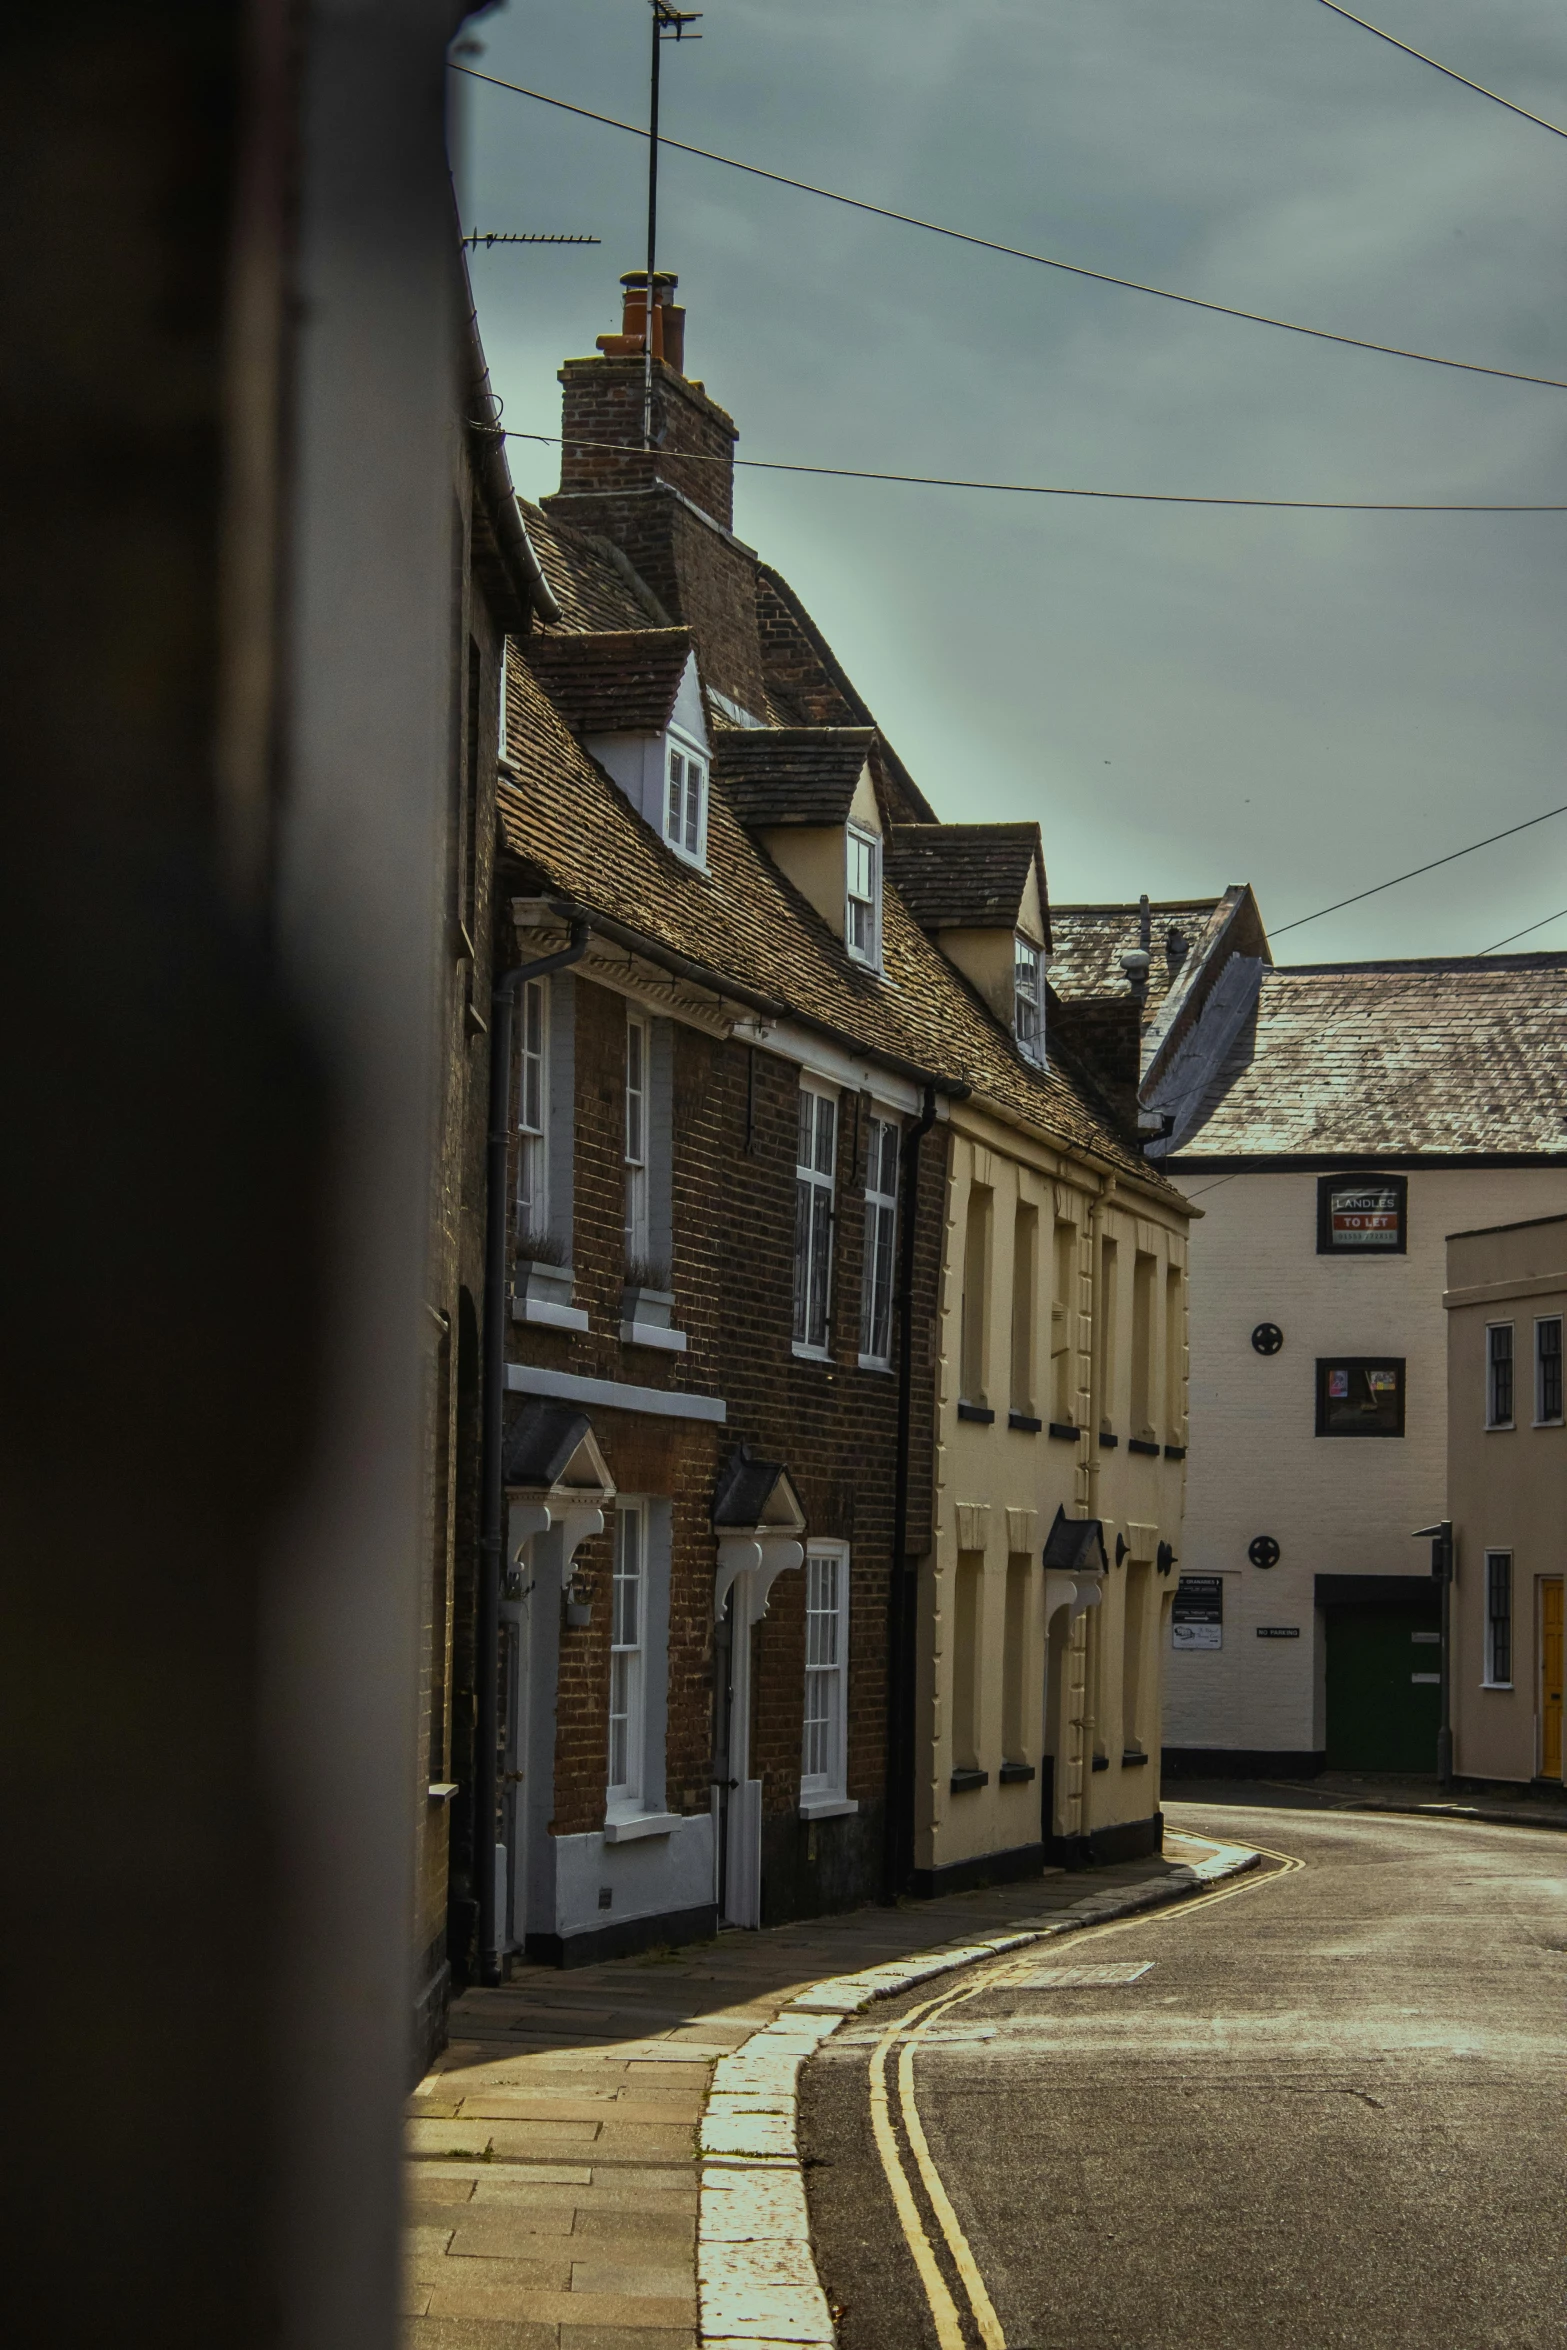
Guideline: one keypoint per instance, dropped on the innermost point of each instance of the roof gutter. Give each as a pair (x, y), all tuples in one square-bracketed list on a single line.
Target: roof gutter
[(487, 441), (766, 1007)]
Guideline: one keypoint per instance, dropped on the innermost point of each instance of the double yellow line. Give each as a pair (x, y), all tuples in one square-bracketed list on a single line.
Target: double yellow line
[(911, 2030)]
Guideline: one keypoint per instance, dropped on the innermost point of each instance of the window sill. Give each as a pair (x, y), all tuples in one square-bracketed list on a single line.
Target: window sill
[(1015, 1774), (965, 1782), (672, 1342), (828, 1807), (627, 1827), (1547, 1423), (1107, 1442), (441, 1790), (553, 1317), (1506, 1687), (1141, 1444), (1175, 1452), (875, 1363), (1101, 1762), (1025, 1423), (980, 1412), (810, 1354), (1501, 1427), (1064, 1431), (1131, 1761)]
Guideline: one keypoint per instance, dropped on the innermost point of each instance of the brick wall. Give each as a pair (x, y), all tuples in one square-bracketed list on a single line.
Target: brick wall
[(832, 1424), (601, 428)]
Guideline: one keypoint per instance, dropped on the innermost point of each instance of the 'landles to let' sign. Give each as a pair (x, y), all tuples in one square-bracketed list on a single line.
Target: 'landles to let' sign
[(1366, 1217)]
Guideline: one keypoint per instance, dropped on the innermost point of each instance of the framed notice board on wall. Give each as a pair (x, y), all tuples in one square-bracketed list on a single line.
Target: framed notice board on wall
[(1197, 1612), (1362, 1215)]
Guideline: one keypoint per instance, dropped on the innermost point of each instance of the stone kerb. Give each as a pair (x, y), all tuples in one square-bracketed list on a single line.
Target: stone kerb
[(757, 2284)]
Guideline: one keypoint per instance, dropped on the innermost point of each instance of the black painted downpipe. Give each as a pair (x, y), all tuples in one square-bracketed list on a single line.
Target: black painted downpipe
[(492, 1492), (902, 1610)]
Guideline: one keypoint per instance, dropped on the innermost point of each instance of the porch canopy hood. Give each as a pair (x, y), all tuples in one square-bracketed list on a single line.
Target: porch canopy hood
[(1075, 1564), (758, 1520), (555, 1477)]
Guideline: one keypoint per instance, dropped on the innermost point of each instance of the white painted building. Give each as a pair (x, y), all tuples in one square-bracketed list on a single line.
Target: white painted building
[(1334, 1123)]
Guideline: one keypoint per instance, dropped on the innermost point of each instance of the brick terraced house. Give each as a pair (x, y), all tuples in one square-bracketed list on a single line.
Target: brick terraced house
[(755, 1067)]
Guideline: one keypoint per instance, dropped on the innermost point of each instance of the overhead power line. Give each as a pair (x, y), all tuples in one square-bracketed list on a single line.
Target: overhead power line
[(1527, 932), (959, 236), (1451, 859), (1040, 489), (1438, 67)]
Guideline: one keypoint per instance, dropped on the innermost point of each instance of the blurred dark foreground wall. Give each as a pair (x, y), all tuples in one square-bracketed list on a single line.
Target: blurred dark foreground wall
[(227, 351)]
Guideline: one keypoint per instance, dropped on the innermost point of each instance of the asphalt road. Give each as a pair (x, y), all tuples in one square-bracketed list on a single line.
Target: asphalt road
[(1334, 2111)]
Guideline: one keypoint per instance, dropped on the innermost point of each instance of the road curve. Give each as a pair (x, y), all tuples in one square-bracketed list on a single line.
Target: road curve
[(1332, 2111)]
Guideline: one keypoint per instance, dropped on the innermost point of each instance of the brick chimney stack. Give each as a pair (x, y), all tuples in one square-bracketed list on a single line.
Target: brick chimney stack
[(670, 509), (693, 438)]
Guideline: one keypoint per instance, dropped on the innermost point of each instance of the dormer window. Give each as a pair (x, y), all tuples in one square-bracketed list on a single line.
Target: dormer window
[(862, 905), (685, 805), (1028, 999)]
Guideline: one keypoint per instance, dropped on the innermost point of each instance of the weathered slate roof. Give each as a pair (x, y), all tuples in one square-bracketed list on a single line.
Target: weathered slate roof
[(965, 876), (1087, 943), (618, 681), (791, 774), (1455, 1055), (742, 920)]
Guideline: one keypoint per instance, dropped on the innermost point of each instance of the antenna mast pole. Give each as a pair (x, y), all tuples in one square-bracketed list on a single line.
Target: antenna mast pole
[(667, 20)]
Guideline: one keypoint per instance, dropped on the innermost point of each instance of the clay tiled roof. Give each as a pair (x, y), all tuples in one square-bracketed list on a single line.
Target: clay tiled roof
[(742, 921), (592, 582), (1087, 943), (965, 876), (1457, 1055), (791, 774), (622, 681)]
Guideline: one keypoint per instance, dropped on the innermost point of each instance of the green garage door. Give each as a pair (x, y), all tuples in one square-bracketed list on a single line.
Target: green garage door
[(1384, 1695)]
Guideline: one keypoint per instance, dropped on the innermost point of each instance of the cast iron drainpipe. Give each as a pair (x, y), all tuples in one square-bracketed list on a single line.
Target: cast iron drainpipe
[(492, 1504), (898, 1841)]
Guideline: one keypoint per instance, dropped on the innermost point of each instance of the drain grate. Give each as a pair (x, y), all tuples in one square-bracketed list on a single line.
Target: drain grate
[(1073, 1978)]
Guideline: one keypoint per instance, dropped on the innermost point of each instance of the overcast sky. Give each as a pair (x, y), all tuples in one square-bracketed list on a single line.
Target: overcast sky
[(1183, 698)]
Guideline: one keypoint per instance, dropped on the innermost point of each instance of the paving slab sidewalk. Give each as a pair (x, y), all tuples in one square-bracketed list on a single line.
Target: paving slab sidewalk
[(553, 2176)]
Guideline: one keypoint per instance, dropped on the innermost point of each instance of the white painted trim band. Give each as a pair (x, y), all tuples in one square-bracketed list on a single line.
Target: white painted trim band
[(666, 1403)]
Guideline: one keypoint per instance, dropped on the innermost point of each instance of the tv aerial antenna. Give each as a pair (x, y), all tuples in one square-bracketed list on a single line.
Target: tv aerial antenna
[(511, 236)]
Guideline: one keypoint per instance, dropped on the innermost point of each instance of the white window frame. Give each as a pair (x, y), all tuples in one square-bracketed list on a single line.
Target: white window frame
[(683, 800), (824, 1729), (1542, 1418), (1503, 1559), (533, 1111), (815, 1204), (1029, 1031), (627, 1656), (639, 1055), (1492, 1418), (866, 950), (878, 1281), (501, 751)]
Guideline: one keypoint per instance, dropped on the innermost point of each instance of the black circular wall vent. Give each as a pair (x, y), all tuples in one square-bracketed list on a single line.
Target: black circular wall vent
[(1263, 1551), (1267, 1338)]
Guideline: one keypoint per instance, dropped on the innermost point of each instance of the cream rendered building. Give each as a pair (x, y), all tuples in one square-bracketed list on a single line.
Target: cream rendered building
[(1061, 1428), (1061, 1389), (1507, 1497)]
